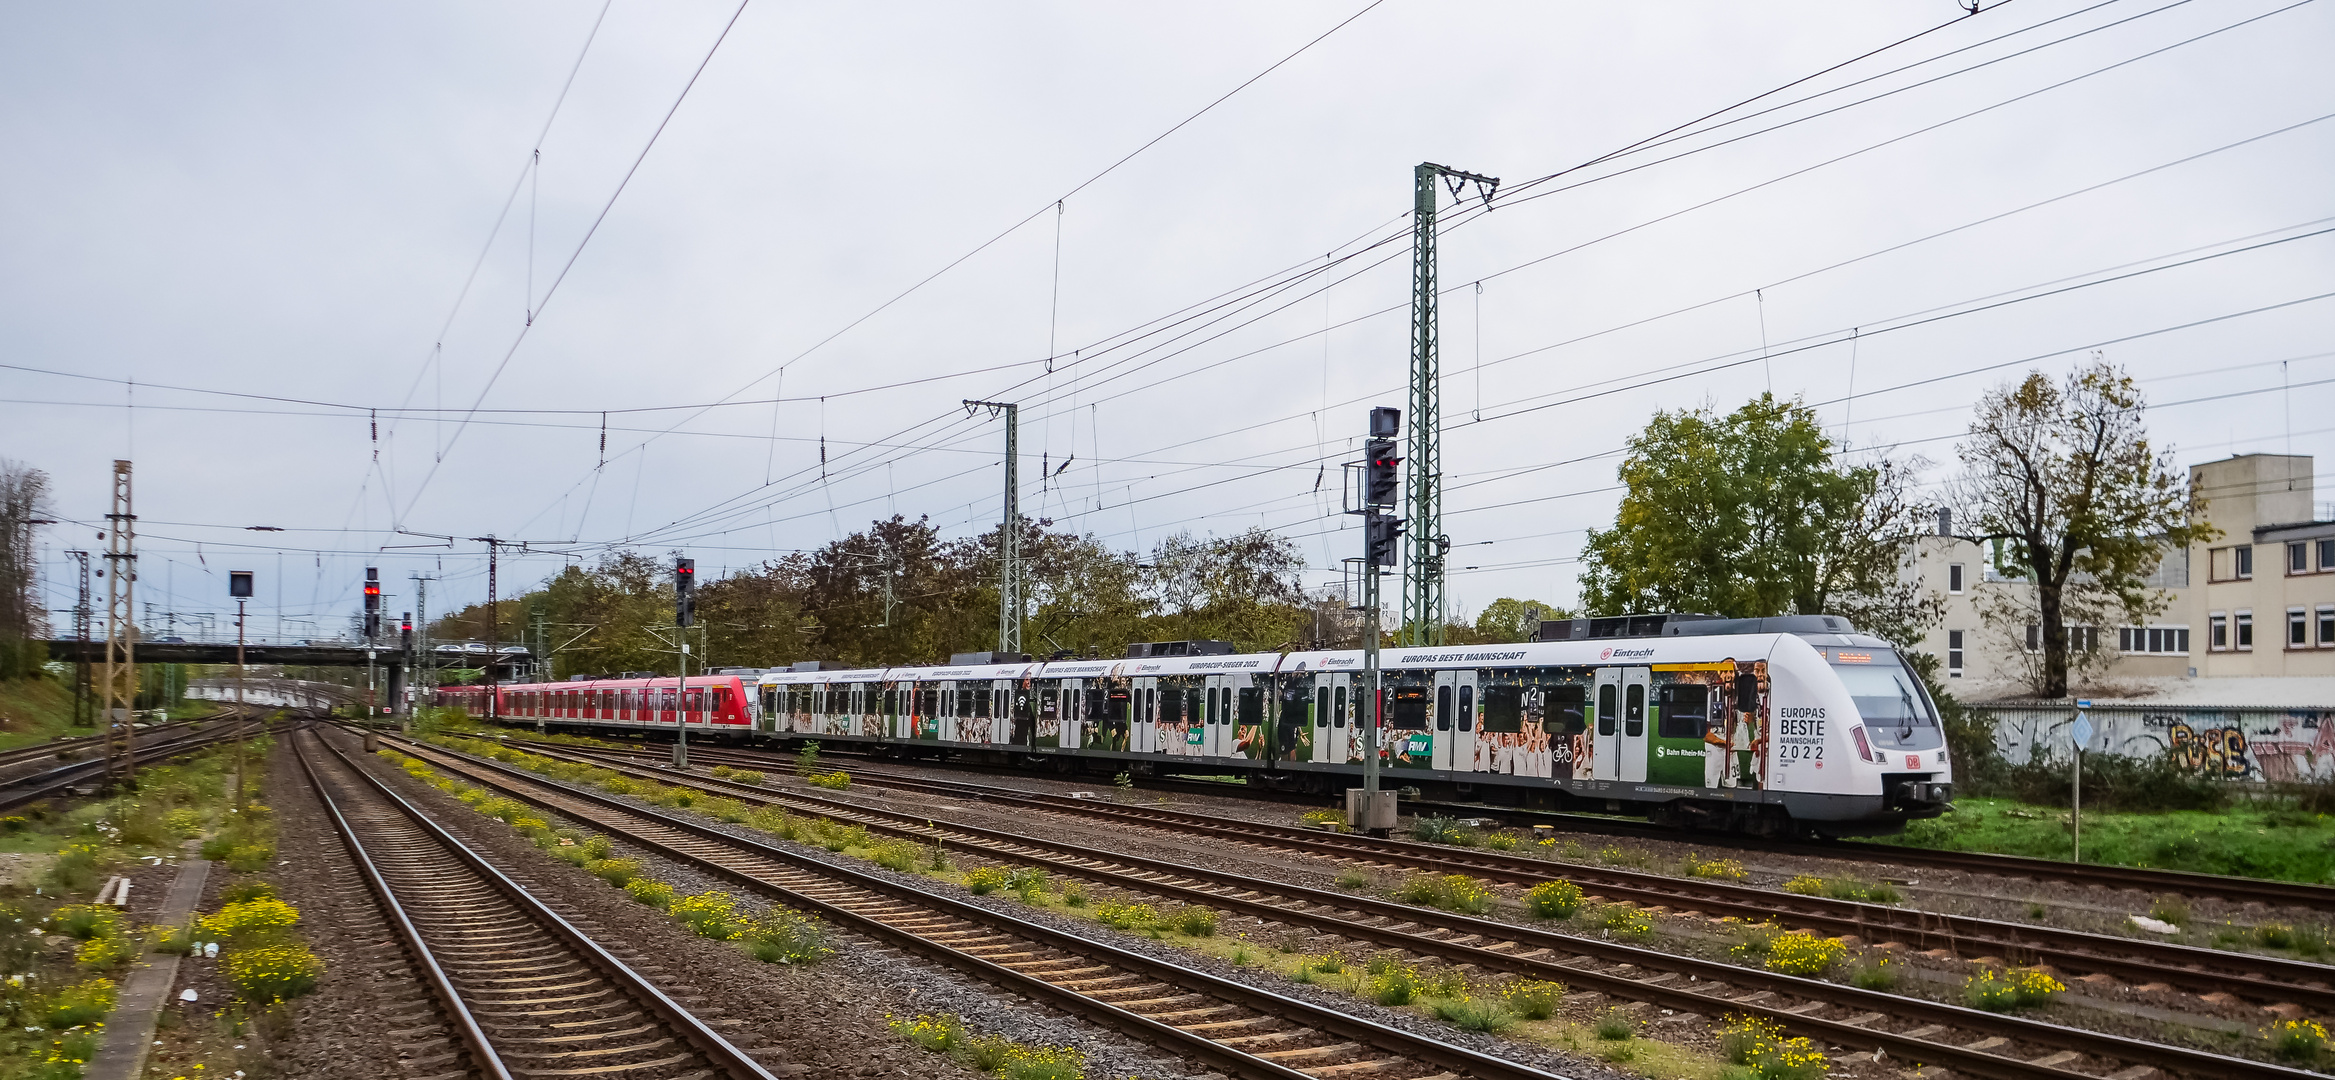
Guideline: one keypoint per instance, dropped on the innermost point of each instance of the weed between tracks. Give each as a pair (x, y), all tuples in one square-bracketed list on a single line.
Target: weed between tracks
[(1517, 1008), (945, 1033), (774, 935)]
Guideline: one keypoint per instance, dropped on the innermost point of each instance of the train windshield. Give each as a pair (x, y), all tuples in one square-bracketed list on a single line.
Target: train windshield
[(1896, 710)]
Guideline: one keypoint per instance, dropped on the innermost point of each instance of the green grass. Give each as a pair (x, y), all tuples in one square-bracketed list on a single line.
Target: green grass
[(2245, 839), (34, 711)]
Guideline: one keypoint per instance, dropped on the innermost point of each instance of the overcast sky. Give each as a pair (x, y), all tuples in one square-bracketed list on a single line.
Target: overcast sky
[(289, 201)]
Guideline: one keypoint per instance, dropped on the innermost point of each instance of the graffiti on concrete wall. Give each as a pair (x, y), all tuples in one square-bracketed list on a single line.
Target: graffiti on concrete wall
[(2269, 745)]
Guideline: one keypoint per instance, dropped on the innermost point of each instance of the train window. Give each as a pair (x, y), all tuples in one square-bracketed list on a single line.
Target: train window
[(1563, 708), (1503, 709), (1338, 714), (1171, 707), (1252, 706), (1321, 705), (980, 701), (1443, 707), (1608, 704), (1467, 708), (1410, 709), (1686, 710), (1634, 711), (1097, 704)]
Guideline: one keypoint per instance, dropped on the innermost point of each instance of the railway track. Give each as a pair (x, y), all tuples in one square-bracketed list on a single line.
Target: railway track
[(1239, 1029), (2153, 881), (2137, 961), (59, 748), (526, 992), (155, 744), (1990, 1044)]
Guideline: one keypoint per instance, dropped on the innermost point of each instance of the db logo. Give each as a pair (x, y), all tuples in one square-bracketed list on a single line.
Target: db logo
[(1913, 761), (1606, 655)]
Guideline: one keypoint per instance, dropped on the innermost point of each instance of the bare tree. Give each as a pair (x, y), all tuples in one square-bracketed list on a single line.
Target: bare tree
[(23, 490), (2063, 474)]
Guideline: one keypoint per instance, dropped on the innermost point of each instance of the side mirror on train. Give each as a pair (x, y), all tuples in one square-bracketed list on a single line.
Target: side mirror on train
[(1746, 692)]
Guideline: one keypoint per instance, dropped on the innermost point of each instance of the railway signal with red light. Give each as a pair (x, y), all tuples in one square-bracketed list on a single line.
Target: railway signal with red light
[(1379, 482), (684, 592), (372, 603)]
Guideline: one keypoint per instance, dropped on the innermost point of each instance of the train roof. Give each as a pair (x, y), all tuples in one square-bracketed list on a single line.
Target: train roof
[(1700, 641), (784, 677), (620, 684), (1220, 664)]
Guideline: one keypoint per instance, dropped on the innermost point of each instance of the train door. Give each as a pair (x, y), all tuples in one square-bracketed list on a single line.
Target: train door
[(854, 699), (1143, 717), (1215, 710), (1244, 703), (1455, 720), (1322, 748), (1070, 709), (1621, 724)]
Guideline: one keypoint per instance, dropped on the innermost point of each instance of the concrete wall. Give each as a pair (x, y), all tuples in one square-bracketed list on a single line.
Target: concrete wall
[(2231, 744)]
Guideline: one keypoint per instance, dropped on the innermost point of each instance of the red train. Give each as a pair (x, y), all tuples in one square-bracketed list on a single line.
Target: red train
[(715, 704)]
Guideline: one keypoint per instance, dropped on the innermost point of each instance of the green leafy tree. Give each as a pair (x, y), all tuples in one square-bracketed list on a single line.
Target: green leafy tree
[(1509, 619), (2064, 475), (1757, 513)]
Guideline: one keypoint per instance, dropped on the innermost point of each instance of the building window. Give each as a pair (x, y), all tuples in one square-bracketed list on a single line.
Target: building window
[(2245, 630), (2034, 637), (1954, 649), (2327, 554), (2153, 640), (2298, 558), (2220, 625), (1953, 577), (2243, 555), (2298, 628), (2327, 626)]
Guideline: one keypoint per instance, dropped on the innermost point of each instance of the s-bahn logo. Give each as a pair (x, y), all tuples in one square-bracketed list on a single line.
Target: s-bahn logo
[(1625, 654)]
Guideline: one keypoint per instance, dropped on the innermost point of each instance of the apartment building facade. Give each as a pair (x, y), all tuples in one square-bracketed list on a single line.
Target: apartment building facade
[(2259, 600)]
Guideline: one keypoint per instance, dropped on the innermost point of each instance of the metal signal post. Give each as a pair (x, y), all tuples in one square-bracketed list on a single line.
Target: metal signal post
[(1368, 808), (1423, 597), (239, 587), (684, 615)]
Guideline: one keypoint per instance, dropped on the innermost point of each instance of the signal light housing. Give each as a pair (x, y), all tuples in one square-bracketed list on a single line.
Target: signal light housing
[(1381, 536), (684, 592), (1379, 480), (372, 602)]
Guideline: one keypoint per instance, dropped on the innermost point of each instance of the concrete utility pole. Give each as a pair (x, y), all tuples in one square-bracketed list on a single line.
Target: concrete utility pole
[(1009, 537), (121, 633), (1423, 599)]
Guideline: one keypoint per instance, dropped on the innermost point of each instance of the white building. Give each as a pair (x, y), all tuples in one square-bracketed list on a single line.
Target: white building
[(2257, 601)]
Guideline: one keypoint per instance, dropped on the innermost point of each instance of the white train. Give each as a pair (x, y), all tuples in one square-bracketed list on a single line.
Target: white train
[(1773, 726)]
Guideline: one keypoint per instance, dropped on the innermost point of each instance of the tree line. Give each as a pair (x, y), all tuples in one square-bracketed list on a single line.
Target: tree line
[(897, 592)]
